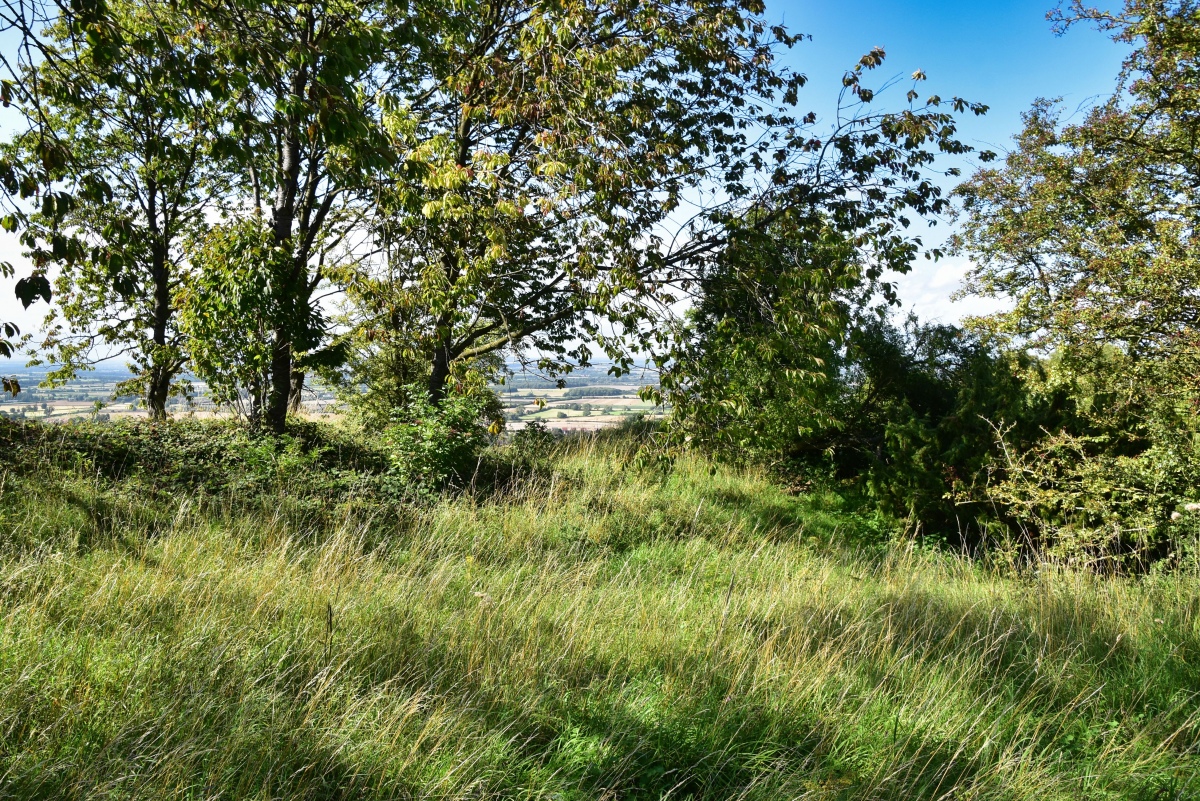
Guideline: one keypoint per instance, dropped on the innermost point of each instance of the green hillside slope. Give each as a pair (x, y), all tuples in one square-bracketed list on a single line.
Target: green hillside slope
[(592, 632)]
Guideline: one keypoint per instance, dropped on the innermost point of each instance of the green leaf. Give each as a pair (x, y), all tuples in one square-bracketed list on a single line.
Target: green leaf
[(31, 288)]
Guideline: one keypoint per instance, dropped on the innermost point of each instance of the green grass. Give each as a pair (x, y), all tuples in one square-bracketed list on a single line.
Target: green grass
[(595, 633)]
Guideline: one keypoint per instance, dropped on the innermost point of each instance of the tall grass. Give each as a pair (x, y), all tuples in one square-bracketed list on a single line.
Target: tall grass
[(597, 633)]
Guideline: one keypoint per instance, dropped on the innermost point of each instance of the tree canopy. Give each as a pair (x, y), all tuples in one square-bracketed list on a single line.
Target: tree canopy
[(476, 181), (1090, 227)]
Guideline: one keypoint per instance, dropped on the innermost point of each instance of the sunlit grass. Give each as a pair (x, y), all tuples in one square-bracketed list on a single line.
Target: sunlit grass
[(600, 633)]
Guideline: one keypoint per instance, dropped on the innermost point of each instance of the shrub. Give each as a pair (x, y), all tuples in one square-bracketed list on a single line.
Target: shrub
[(532, 444), (431, 447), (1111, 483), (914, 417)]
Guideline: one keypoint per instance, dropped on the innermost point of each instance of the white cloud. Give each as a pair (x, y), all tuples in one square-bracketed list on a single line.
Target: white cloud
[(927, 289)]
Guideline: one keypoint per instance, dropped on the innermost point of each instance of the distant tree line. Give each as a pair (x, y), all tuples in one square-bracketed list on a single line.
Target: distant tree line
[(593, 392)]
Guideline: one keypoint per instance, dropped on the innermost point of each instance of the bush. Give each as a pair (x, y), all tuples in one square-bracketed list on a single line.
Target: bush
[(533, 443), (1112, 483), (1090, 456), (914, 421), (431, 447)]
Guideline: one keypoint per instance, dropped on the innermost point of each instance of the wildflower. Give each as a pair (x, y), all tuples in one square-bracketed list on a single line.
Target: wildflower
[(1176, 516), (1192, 507)]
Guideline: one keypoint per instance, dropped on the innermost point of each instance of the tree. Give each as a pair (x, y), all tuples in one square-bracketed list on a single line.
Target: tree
[(227, 314), (301, 142), (539, 205), (134, 118), (1089, 231), (23, 179), (529, 165), (543, 148), (750, 375), (783, 283), (1089, 228)]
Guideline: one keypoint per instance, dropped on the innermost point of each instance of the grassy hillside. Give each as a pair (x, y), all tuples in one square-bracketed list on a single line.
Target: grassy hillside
[(590, 632)]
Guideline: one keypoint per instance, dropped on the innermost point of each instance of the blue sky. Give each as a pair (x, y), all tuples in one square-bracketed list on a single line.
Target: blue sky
[(999, 53)]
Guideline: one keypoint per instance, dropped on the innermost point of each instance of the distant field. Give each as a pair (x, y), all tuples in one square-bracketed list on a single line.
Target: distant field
[(598, 403), (92, 395)]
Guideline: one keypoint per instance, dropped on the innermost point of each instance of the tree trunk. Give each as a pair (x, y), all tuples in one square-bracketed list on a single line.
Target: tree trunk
[(281, 382), (256, 403), (295, 398), (160, 362), (157, 391), (440, 374)]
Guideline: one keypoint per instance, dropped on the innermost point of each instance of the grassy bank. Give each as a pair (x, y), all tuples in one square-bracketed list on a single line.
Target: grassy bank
[(593, 632)]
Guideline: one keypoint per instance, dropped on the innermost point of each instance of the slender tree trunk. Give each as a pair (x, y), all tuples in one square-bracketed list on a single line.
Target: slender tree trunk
[(295, 397), (285, 285), (440, 372), (159, 383), (256, 403), (281, 382), (158, 386), (293, 227)]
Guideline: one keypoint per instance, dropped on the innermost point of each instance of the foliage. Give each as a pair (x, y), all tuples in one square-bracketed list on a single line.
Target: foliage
[(772, 316), (542, 144), (1088, 228), (375, 378), (287, 101), (533, 443), (483, 179), (1086, 240), (229, 315), (907, 415), (592, 392), (1108, 486), (528, 211), (302, 140), (432, 446), (134, 122), (785, 283), (916, 418), (26, 177)]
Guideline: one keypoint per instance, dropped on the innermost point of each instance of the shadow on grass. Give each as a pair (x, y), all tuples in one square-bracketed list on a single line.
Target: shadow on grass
[(684, 726), (146, 760), (236, 717), (1096, 687)]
